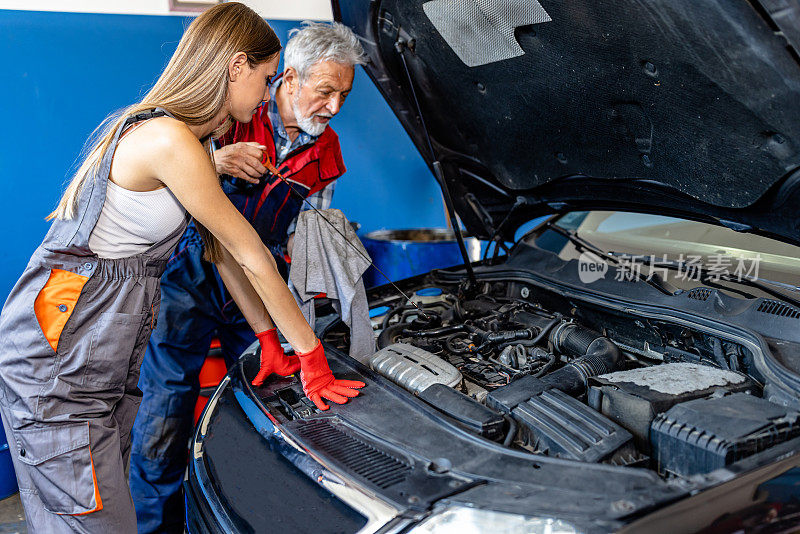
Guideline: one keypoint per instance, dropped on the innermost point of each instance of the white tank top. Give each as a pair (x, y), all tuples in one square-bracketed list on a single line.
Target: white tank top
[(133, 221)]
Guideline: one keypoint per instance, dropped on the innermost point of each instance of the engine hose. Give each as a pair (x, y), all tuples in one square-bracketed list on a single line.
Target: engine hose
[(520, 338), (455, 350), (435, 332), (419, 324), (508, 336), (573, 339), (390, 315), (732, 353), (545, 330), (512, 431), (458, 310), (719, 355), (442, 331), (410, 308), (599, 356), (388, 335), (547, 366)]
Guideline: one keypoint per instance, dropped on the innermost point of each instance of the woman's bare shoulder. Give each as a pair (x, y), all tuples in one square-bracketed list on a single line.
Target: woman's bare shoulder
[(174, 152), (142, 159), (165, 133)]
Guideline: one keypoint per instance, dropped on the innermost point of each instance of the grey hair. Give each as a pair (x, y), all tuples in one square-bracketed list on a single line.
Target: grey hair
[(320, 41)]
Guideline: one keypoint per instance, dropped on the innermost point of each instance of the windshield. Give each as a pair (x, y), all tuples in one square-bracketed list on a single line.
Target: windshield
[(643, 238)]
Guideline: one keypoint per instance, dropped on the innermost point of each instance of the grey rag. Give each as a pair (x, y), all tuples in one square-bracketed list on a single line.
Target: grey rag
[(323, 263)]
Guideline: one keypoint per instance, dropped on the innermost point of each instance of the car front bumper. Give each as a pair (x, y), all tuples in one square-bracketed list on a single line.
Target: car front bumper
[(245, 475)]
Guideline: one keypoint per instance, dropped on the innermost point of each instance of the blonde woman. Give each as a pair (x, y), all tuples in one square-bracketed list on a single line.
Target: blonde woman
[(74, 328)]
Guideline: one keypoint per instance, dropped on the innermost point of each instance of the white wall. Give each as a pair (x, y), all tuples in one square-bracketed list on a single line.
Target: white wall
[(269, 9)]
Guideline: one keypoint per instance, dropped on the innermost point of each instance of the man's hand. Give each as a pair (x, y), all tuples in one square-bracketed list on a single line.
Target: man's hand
[(241, 160)]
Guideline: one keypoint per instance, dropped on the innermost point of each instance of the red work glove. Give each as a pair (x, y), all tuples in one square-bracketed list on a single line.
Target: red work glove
[(318, 380), (273, 360)]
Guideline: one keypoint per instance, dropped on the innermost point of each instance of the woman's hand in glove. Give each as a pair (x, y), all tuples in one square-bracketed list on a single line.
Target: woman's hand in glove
[(318, 381), (273, 360)]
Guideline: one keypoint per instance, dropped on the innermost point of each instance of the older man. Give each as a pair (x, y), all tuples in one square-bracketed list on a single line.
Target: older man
[(292, 130)]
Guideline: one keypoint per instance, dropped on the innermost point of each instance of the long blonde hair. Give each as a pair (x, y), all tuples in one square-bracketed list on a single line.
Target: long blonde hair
[(193, 86)]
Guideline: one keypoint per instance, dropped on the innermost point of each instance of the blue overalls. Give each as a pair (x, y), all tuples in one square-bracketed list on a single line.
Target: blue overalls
[(72, 335), (195, 305)]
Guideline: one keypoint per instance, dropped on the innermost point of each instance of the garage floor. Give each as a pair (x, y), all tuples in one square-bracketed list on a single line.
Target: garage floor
[(12, 519)]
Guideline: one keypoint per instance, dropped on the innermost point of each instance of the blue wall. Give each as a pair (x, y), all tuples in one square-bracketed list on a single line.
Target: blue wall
[(63, 73)]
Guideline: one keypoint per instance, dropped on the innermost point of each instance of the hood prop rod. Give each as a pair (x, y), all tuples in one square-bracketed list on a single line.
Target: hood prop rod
[(400, 45)]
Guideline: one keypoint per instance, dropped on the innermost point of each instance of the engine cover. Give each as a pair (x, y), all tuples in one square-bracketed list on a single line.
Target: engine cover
[(634, 398), (413, 368), (554, 423)]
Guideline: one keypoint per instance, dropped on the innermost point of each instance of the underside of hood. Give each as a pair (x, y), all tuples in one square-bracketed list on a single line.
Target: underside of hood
[(688, 108)]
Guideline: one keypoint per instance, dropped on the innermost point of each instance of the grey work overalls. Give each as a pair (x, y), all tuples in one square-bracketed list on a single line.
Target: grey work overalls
[(72, 335)]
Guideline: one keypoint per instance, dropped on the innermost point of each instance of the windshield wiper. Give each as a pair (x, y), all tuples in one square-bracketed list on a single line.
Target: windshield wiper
[(581, 244), (709, 279)]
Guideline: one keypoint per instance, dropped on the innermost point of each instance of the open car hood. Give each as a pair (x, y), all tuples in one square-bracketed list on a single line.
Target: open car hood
[(688, 108)]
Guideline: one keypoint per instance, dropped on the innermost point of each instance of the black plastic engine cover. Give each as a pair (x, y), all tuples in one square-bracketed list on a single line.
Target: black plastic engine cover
[(506, 398), (634, 398), (558, 425), (465, 410)]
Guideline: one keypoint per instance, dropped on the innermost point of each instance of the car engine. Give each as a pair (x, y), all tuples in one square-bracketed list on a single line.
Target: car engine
[(538, 372)]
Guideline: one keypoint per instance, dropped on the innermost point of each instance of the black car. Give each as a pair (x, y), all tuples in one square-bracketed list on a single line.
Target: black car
[(632, 362)]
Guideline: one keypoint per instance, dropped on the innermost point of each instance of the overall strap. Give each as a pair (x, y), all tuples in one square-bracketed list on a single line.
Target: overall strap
[(93, 193)]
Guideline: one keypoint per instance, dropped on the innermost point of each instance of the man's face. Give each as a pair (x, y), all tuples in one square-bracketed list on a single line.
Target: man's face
[(322, 95)]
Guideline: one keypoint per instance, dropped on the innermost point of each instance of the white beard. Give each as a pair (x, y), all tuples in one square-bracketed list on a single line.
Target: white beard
[(308, 124)]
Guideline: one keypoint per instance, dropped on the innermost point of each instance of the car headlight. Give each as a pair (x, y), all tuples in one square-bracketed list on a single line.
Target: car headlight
[(462, 520)]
